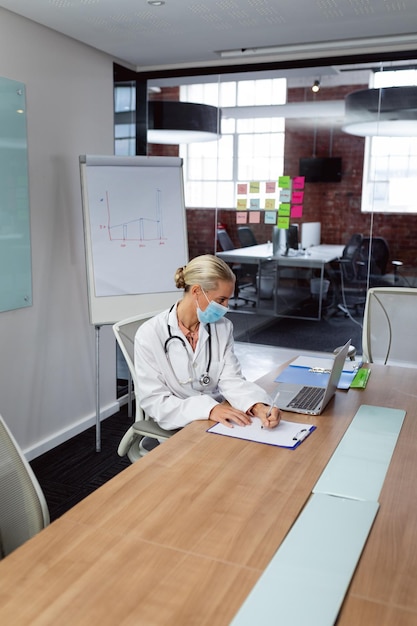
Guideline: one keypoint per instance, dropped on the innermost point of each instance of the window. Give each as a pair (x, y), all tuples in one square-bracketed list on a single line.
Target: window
[(390, 163), (250, 148), (124, 128)]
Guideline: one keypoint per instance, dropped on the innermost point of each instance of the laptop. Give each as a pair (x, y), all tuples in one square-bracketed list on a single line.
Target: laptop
[(312, 400)]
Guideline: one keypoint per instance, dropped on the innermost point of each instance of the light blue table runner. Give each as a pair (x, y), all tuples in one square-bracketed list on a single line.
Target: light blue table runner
[(307, 579)]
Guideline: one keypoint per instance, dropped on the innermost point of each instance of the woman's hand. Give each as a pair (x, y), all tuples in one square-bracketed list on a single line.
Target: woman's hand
[(268, 421), (228, 415)]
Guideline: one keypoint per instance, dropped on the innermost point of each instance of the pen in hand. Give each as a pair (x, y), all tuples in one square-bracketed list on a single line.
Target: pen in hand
[(274, 401)]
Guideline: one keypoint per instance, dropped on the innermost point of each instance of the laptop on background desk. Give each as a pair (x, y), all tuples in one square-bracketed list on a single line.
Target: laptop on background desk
[(312, 399)]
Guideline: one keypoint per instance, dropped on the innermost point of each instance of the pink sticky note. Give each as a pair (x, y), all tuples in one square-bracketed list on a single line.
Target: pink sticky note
[(297, 210), (241, 217), (297, 197), (298, 182), (254, 217)]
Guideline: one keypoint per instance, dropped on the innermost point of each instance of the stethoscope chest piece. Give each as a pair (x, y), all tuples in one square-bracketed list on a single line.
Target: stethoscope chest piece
[(204, 379)]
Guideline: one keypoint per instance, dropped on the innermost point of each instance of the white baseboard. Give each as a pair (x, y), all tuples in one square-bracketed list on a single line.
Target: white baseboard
[(75, 429)]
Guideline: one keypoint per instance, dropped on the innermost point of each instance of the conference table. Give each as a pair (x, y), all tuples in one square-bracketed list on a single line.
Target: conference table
[(315, 258), (183, 535)]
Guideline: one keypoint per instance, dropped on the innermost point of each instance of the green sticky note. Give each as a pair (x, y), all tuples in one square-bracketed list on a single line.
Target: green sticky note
[(284, 210), (284, 182)]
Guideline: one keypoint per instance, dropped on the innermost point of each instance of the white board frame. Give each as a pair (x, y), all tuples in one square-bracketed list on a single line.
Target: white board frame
[(112, 309)]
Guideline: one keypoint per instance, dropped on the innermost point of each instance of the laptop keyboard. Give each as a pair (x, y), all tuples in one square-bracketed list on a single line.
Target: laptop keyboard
[(307, 398)]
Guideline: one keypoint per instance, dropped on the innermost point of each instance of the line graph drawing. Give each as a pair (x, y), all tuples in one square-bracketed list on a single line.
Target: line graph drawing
[(142, 229), (135, 222)]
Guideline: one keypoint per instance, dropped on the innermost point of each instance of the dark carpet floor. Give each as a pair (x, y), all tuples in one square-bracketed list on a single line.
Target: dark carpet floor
[(74, 469), (321, 336)]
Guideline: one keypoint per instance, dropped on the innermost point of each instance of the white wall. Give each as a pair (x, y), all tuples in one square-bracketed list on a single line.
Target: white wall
[(47, 351)]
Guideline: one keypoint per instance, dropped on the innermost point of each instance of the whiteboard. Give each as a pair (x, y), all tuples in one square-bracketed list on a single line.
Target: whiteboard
[(134, 232)]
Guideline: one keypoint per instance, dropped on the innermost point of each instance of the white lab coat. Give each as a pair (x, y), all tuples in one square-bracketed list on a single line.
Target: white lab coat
[(164, 387)]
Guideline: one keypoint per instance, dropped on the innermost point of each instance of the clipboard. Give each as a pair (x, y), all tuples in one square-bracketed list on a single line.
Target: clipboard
[(286, 435)]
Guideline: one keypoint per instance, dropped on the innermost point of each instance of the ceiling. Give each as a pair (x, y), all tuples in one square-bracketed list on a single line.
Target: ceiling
[(189, 33), (183, 35)]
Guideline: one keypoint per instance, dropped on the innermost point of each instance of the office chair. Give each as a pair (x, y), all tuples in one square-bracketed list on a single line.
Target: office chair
[(23, 508), (245, 273), (376, 253), (352, 275), (246, 236), (143, 425), (388, 335)]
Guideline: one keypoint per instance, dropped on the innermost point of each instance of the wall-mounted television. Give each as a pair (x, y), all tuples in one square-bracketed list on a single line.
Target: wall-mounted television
[(321, 169)]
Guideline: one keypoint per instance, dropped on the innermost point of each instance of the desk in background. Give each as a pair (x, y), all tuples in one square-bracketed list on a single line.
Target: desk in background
[(182, 536), (316, 258)]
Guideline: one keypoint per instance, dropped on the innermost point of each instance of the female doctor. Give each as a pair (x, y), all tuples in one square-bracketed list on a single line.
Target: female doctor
[(184, 359)]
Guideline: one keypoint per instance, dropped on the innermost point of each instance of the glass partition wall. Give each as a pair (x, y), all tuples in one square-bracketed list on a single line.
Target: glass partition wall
[(341, 136)]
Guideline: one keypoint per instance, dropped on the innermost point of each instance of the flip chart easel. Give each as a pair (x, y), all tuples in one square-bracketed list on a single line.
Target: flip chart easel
[(135, 238)]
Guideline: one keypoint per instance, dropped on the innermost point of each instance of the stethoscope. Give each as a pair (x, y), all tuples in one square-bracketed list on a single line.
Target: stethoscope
[(204, 379)]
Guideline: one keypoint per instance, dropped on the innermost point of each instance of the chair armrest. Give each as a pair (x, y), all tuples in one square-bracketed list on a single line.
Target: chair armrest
[(149, 428)]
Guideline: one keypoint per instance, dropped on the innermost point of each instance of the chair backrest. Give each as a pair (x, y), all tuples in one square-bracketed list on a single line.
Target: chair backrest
[(224, 240), (352, 257), (378, 250), (246, 236), (23, 508), (353, 245), (125, 332), (389, 323)]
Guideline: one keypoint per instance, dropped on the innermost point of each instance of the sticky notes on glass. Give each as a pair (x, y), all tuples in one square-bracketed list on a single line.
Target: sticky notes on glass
[(270, 217), (283, 222), (284, 182), (298, 182), (297, 210)]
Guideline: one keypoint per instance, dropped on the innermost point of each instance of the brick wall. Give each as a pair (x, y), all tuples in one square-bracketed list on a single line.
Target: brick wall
[(335, 205)]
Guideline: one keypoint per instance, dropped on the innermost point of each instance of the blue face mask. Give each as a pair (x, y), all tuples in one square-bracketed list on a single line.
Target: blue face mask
[(212, 313)]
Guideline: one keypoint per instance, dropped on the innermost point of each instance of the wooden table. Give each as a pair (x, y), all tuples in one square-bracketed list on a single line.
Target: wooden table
[(182, 536)]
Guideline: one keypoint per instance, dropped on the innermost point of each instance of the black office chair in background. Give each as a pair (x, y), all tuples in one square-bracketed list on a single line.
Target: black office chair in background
[(245, 273), (351, 276), (246, 236), (363, 264), (376, 253)]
